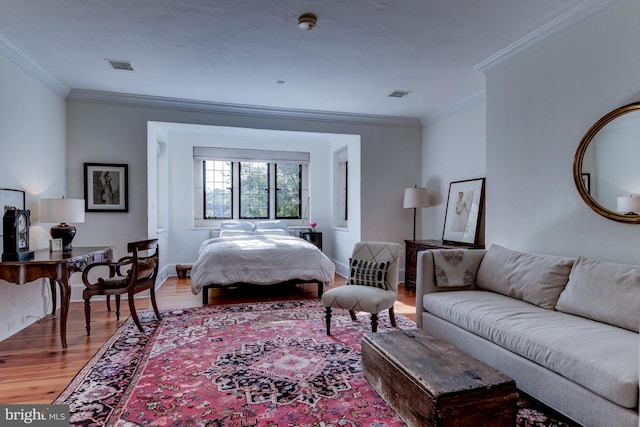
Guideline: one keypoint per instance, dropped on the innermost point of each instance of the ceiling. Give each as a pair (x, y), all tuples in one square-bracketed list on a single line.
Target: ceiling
[(237, 51)]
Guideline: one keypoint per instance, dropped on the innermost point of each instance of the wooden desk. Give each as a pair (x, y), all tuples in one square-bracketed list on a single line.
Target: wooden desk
[(58, 267)]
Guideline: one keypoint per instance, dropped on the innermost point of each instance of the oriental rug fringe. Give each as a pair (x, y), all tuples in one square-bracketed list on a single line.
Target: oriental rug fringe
[(260, 364)]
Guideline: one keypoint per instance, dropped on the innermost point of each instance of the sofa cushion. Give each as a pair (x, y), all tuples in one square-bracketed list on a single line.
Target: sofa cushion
[(534, 278), (599, 357), (603, 291)]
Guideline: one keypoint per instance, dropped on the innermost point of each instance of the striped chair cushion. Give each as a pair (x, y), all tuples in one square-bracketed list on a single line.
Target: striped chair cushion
[(368, 273)]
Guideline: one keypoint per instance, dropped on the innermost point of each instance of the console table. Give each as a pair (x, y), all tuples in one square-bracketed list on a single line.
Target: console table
[(57, 266), (411, 256)]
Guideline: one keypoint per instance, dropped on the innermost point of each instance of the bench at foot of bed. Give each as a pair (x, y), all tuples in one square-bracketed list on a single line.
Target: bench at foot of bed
[(205, 289)]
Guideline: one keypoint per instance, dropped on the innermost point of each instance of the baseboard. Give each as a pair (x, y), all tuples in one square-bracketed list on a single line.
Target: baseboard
[(23, 315)]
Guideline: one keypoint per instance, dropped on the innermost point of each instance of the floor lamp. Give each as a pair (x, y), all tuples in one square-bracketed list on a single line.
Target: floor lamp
[(415, 198)]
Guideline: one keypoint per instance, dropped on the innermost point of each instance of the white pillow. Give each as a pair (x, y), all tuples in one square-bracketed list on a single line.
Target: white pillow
[(281, 224), (227, 233), (271, 232), (236, 225)]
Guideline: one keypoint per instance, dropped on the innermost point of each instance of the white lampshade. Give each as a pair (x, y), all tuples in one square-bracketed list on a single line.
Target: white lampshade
[(629, 204), (62, 210), (416, 198)]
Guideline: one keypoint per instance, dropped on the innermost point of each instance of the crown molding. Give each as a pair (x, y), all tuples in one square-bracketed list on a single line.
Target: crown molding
[(455, 107), (235, 109), (29, 64), (578, 13)]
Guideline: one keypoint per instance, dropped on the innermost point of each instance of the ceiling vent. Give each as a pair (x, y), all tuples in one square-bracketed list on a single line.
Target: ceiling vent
[(120, 65), (399, 93)]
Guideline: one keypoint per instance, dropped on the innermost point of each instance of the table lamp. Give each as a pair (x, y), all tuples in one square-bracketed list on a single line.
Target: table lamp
[(63, 211), (415, 198), (629, 205)]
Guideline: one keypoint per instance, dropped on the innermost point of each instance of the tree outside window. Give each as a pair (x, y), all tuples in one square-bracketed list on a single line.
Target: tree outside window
[(218, 177), (242, 189), (288, 190), (254, 190)]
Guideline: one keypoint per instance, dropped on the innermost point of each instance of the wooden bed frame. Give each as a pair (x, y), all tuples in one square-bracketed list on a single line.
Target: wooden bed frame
[(205, 289)]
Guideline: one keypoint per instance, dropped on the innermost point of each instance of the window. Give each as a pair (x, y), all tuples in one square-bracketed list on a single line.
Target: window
[(249, 184), (254, 190), (288, 190), (341, 187), (344, 190), (217, 189)]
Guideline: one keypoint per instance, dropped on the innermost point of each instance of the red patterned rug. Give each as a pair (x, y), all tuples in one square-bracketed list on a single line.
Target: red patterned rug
[(262, 364)]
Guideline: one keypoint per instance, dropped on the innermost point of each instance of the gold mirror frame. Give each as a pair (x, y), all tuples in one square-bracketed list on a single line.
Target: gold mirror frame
[(577, 166)]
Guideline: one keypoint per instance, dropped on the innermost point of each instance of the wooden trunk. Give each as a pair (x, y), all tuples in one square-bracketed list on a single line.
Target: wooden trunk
[(429, 382)]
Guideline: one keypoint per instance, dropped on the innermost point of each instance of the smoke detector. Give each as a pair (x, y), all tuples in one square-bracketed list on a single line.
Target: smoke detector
[(307, 21)]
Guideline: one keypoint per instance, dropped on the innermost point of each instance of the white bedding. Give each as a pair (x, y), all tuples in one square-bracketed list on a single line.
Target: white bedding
[(260, 260)]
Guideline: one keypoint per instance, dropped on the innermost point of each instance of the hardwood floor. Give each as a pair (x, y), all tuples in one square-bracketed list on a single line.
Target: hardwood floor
[(34, 368)]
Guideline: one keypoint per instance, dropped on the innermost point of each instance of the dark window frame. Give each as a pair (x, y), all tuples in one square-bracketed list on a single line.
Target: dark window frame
[(236, 182)]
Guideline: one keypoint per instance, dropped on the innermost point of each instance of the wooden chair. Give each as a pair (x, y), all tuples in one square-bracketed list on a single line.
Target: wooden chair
[(372, 286), (129, 275)]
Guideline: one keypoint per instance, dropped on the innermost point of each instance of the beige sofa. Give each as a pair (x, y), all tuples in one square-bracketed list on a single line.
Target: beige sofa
[(566, 329)]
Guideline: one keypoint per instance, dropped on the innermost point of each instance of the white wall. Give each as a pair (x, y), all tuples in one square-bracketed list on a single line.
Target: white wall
[(110, 132), (539, 105), (453, 149), (32, 120)]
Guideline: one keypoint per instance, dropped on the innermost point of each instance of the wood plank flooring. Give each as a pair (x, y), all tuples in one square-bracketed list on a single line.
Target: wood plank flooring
[(34, 368)]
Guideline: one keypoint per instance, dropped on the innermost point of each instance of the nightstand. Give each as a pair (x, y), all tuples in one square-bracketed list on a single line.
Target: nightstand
[(411, 256), (313, 237)]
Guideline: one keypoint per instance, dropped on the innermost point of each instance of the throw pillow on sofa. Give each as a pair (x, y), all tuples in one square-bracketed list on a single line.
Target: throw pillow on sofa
[(534, 278), (603, 291), (455, 268)]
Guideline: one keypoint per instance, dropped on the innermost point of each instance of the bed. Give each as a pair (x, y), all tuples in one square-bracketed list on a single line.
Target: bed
[(261, 254)]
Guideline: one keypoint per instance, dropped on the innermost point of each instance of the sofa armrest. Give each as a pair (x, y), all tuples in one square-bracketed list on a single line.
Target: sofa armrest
[(426, 278)]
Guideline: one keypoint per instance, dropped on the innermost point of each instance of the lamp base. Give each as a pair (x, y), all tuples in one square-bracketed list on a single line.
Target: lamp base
[(64, 231)]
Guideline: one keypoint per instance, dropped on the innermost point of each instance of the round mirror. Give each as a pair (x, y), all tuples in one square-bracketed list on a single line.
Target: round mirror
[(605, 169)]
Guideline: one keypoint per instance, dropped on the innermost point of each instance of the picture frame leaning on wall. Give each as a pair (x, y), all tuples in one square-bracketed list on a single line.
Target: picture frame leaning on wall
[(465, 204)]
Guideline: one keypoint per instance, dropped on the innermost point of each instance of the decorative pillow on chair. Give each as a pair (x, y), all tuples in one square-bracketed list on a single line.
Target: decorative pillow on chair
[(368, 273), (146, 267)]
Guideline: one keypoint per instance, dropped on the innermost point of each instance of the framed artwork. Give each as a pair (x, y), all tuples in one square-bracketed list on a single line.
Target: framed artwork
[(586, 181), (105, 187), (11, 198), (464, 210)]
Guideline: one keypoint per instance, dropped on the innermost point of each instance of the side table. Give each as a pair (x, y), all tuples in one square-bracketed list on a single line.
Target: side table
[(313, 237)]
